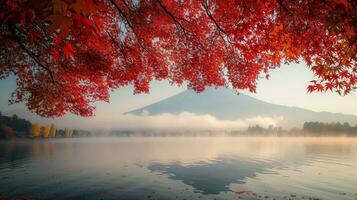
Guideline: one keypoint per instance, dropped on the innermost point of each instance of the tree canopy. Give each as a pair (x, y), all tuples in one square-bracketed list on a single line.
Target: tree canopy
[(67, 54)]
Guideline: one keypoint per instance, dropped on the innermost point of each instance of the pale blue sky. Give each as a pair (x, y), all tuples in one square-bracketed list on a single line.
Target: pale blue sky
[(287, 86)]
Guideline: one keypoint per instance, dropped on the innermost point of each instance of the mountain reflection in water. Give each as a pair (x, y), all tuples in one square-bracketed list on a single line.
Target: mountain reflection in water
[(179, 168), (212, 177)]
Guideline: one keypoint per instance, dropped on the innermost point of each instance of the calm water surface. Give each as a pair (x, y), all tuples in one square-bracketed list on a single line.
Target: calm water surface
[(180, 168)]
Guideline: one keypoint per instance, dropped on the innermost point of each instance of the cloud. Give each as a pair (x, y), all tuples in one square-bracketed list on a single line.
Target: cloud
[(182, 121), (166, 121)]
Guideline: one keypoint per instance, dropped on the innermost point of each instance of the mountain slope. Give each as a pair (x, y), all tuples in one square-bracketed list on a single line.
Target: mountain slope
[(225, 104)]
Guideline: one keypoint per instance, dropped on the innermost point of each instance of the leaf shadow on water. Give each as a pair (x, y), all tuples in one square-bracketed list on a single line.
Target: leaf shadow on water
[(213, 177)]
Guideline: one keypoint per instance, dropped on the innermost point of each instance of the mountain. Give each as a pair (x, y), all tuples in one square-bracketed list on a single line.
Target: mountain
[(225, 104)]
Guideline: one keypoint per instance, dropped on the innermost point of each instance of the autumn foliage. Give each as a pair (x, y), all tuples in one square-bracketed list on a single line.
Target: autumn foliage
[(67, 54)]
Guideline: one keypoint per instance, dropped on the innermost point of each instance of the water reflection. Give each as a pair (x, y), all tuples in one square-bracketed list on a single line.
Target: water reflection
[(179, 168), (15, 153), (213, 177), (12, 154), (335, 146)]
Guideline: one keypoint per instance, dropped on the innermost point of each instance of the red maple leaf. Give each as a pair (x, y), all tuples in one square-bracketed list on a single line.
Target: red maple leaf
[(68, 50)]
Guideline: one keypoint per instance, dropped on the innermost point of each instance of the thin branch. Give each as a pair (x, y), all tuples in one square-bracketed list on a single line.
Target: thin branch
[(126, 18), (177, 23), (280, 2), (40, 26), (29, 53), (122, 13), (246, 6), (220, 29), (128, 6)]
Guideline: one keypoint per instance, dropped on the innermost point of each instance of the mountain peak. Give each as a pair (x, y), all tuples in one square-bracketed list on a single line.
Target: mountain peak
[(227, 104)]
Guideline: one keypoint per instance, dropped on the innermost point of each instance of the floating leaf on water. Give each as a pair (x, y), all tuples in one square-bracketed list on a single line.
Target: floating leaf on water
[(25, 198), (120, 187), (245, 192)]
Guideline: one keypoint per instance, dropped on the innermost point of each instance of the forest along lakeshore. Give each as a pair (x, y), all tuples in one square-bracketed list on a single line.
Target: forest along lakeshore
[(17, 128)]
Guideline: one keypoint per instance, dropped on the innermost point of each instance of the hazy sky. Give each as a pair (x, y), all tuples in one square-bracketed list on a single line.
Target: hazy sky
[(287, 86)]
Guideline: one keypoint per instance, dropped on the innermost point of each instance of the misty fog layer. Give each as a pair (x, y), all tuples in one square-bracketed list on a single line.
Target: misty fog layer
[(182, 121)]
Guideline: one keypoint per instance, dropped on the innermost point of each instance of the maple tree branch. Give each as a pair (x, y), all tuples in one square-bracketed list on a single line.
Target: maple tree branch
[(220, 29), (26, 34), (126, 18), (40, 26), (122, 13), (128, 6), (280, 2), (246, 6), (28, 52), (112, 38), (204, 5), (177, 23)]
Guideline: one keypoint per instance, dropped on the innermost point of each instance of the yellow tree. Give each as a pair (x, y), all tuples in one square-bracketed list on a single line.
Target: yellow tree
[(46, 131), (35, 130), (53, 130), (68, 132)]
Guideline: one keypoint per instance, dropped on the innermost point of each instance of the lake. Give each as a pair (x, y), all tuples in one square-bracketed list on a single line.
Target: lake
[(180, 168)]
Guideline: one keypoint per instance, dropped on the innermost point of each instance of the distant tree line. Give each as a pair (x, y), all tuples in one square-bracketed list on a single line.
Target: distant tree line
[(15, 127), (308, 129), (329, 128), (259, 130)]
